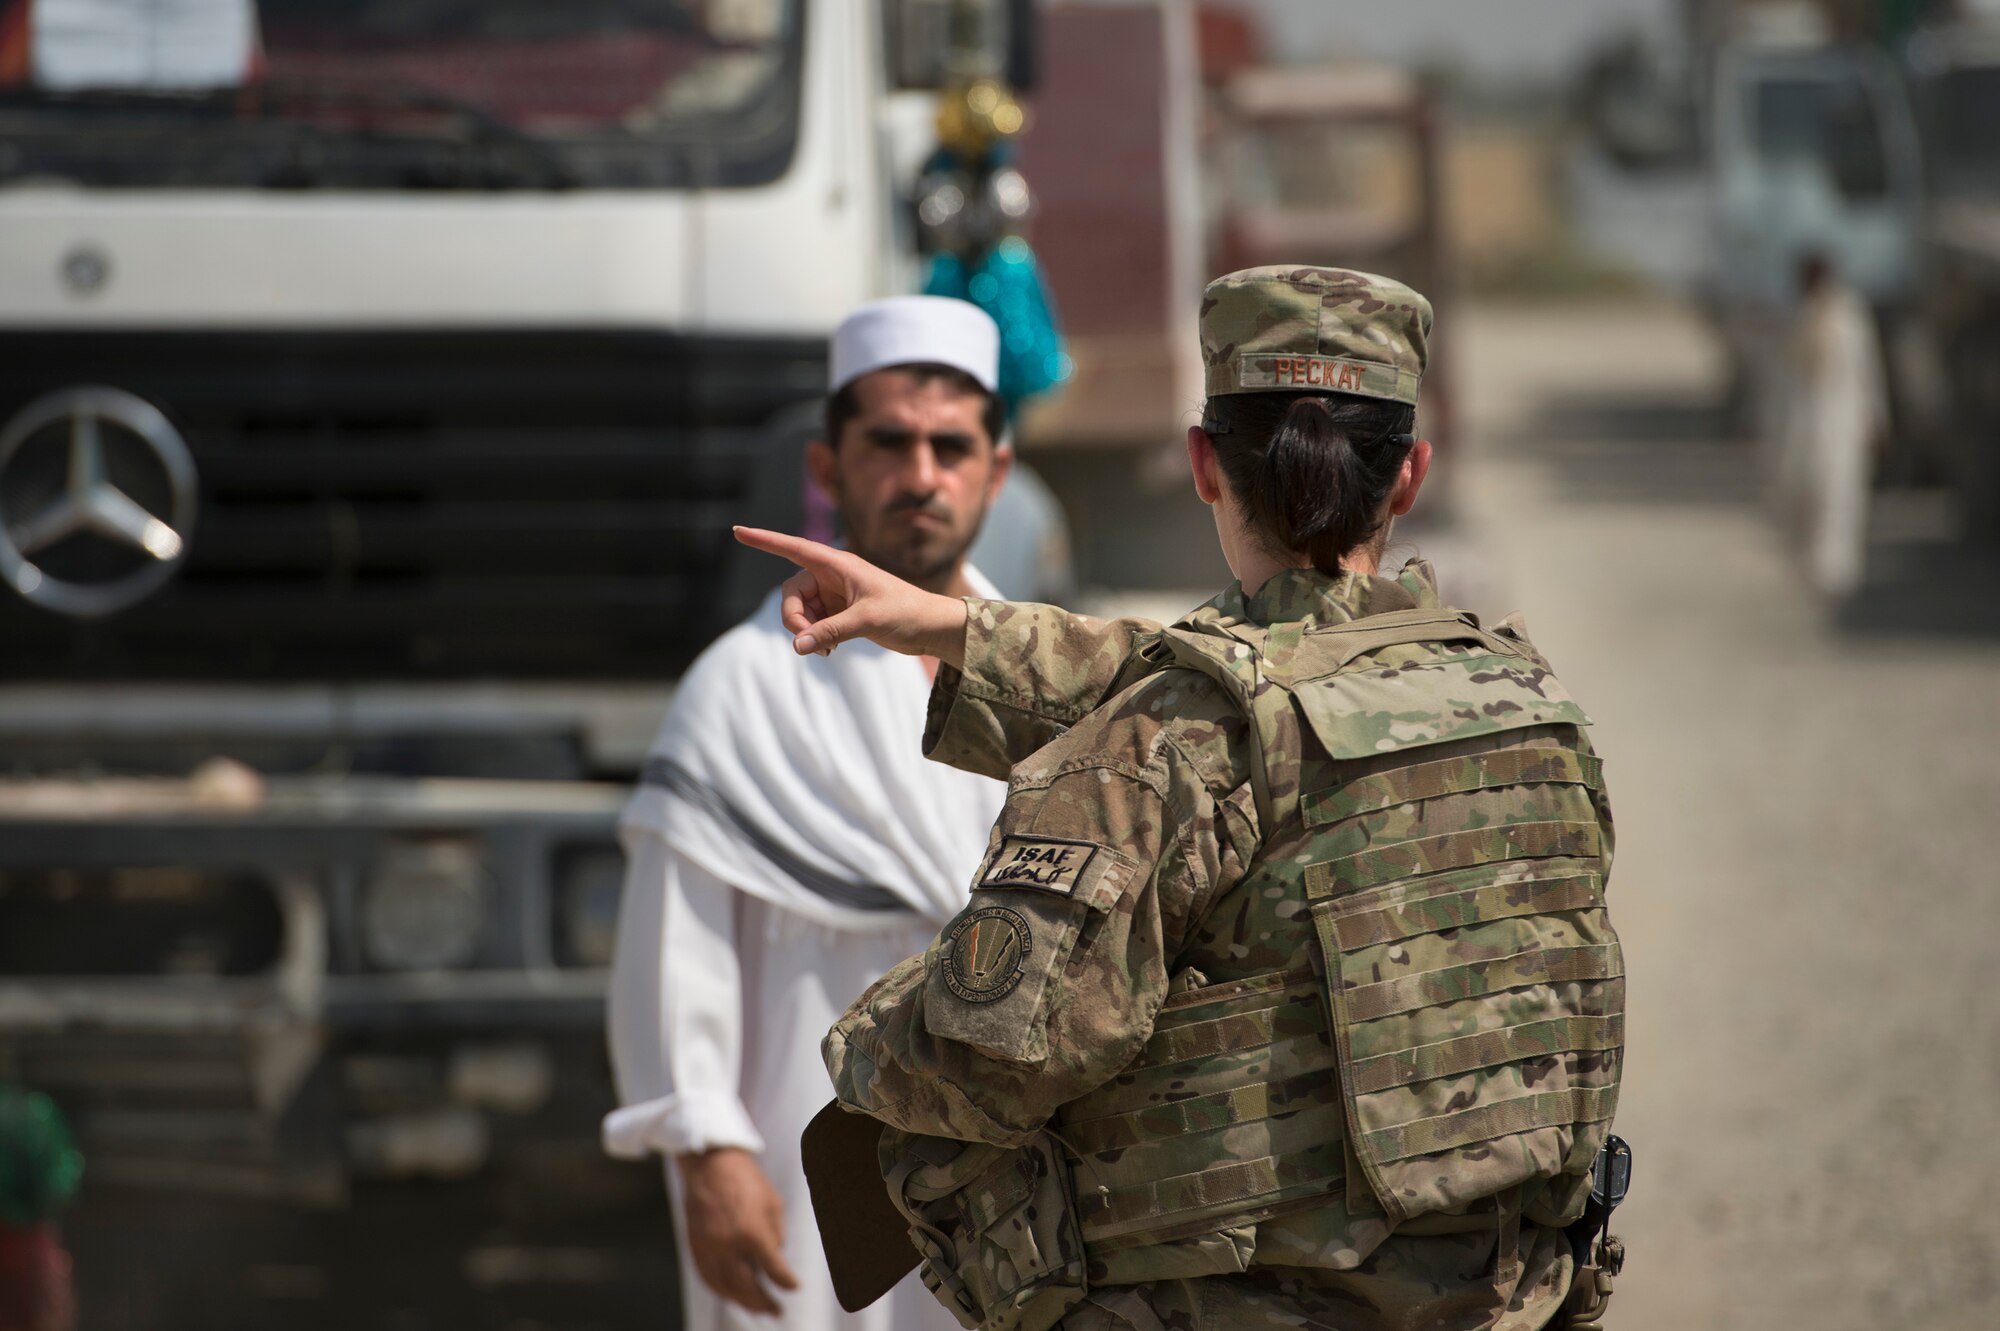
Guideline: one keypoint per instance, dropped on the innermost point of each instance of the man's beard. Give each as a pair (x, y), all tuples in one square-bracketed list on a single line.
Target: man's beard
[(929, 560)]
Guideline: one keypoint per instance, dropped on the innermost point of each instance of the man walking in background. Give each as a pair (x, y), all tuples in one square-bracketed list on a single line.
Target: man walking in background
[(1836, 414), (788, 843)]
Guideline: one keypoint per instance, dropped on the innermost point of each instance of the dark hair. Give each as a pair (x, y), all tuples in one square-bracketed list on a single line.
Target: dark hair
[(1311, 470), (843, 406), (1814, 271)]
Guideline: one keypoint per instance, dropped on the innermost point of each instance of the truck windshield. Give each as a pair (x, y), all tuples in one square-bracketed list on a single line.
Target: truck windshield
[(1965, 108), (1830, 119), (398, 94)]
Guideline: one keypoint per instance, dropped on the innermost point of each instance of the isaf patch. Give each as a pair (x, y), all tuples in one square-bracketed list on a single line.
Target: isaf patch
[(986, 954), (1045, 864)]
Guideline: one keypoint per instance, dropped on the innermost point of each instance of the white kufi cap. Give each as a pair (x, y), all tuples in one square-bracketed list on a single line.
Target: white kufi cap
[(911, 330)]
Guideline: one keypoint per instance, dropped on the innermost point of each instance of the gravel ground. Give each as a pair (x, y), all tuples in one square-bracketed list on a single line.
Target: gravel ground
[(1807, 799)]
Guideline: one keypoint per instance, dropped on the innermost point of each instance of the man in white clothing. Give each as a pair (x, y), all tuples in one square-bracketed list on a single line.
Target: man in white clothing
[(787, 844), (1836, 416)]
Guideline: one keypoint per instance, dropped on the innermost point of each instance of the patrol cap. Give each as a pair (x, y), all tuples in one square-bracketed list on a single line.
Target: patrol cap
[(1287, 329), (912, 330)]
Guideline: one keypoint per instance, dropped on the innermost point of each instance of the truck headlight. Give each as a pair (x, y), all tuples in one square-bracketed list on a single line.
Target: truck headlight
[(589, 882), (424, 907)]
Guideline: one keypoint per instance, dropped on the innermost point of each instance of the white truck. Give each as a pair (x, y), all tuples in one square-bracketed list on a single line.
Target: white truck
[(1812, 151), (378, 382)]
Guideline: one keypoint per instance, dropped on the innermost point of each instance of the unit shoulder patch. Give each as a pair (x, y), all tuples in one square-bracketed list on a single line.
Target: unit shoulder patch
[(1044, 864), (986, 954)]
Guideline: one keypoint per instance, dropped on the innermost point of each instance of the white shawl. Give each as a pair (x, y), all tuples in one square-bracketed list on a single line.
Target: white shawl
[(803, 783)]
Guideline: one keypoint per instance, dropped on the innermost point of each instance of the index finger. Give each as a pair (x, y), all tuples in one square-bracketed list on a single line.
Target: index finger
[(806, 554)]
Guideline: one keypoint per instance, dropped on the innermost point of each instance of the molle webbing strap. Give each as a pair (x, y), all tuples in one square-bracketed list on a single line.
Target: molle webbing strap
[(1224, 1190), (1290, 1055), (1228, 1018), (1489, 1121), (1475, 979), (1485, 1049), (1333, 649), (1126, 1135), (1387, 862), (1454, 776), (1236, 995), (1232, 1033), (1203, 1113), (1493, 901)]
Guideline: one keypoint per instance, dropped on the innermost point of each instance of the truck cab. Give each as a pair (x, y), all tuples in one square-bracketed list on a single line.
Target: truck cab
[(378, 385), (1811, 150)]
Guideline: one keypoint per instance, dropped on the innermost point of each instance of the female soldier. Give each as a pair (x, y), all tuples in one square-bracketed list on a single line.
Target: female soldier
[(1285, 995)]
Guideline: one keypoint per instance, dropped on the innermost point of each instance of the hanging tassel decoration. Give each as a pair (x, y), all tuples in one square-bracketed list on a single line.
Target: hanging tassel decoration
[(972, 207), (39, 1163)]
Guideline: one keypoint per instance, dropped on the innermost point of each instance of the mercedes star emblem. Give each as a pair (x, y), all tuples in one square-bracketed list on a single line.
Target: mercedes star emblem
[(71, 539)]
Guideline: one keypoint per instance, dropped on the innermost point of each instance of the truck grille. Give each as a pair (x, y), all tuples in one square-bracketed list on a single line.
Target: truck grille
[(438, 504)]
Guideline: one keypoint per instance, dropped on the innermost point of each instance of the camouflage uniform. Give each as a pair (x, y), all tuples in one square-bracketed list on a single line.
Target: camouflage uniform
[(1285, 996)]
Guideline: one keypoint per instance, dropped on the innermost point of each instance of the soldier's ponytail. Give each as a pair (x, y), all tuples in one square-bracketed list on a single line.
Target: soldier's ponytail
[(1313, 471)]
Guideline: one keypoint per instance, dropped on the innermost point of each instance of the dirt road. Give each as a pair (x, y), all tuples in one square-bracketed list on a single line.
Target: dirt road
[(1808, 864)]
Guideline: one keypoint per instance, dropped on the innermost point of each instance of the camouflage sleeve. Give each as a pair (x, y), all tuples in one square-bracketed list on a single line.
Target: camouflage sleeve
[(1047, 984), (1030, 672)]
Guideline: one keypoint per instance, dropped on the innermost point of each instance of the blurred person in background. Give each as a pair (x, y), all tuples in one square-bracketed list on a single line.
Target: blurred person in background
[(1286, 995), (1836, 413), (39, 1170), (788, 843)]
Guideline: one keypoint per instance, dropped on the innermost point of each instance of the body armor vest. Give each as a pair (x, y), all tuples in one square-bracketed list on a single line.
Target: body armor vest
[(1428, 1026)]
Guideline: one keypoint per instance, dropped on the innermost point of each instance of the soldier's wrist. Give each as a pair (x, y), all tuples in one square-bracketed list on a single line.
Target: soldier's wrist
[(944, 634)]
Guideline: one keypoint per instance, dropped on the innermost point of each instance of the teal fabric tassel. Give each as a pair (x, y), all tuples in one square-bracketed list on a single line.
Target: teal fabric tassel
[(1007, 283), (39, 1164), (970, 205)]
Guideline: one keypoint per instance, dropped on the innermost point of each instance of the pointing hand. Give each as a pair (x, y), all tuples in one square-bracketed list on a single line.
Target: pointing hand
[(837, 596)]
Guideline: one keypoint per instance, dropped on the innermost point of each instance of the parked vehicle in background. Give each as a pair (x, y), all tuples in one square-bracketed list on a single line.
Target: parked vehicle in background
[(1955, 79), (1812, 150), (378, 383)]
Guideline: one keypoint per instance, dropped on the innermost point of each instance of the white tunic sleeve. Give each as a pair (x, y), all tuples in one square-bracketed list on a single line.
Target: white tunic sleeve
[(676, 1009)]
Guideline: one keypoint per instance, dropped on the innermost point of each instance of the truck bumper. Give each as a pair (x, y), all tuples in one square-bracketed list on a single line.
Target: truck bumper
[(197, 1000)]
